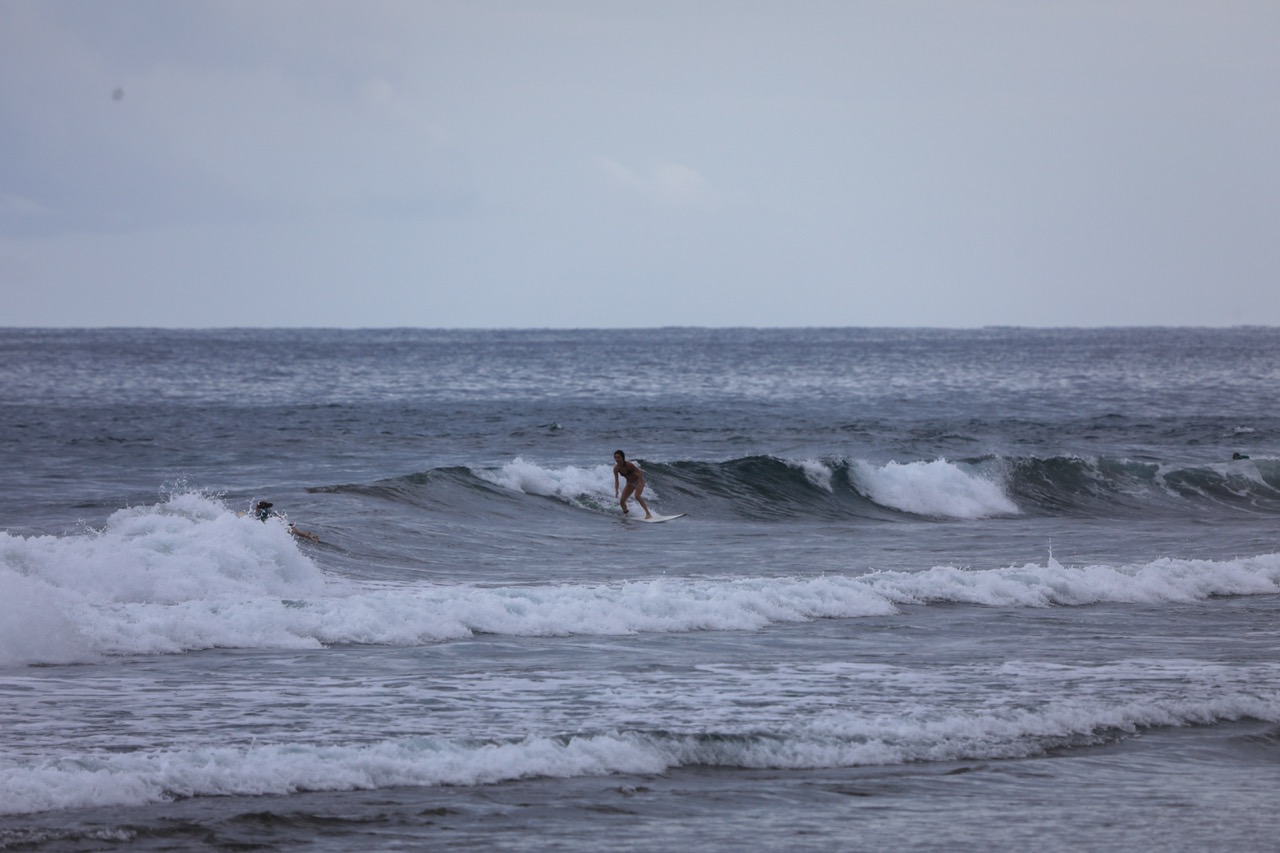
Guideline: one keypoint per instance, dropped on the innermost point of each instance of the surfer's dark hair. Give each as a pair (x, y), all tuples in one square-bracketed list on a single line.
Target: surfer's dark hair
[(619, 453)]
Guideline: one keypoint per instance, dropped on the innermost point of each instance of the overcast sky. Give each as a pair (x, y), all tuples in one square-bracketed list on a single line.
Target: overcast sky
[(600, 164)]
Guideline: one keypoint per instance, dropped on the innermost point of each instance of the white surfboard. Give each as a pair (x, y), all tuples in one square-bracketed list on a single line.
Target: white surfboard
[(654, 519)]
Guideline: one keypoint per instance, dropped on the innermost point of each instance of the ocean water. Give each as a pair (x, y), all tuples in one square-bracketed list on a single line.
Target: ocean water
[(996, 589)]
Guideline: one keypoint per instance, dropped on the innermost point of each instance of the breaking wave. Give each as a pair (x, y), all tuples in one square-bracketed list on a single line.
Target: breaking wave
[(190, 573)]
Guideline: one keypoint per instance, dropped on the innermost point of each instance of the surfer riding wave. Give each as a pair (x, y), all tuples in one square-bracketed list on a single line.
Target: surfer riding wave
[(630, 472)]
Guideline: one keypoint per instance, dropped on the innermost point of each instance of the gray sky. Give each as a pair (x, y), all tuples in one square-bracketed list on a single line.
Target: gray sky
[(649, 163)]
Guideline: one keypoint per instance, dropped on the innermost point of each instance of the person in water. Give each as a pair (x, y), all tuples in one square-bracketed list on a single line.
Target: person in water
[(262, 511), (630, 472)]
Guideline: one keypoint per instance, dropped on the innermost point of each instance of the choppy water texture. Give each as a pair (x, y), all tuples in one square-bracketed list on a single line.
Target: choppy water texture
[(995, 589)]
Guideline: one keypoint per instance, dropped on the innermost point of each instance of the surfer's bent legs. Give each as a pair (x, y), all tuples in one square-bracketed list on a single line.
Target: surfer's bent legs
[(636, 489)]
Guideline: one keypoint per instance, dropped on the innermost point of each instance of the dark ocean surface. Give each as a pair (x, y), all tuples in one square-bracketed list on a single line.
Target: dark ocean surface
[(997, 589)]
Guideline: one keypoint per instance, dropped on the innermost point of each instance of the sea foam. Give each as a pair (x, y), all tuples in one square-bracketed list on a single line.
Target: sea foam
[(844, 737), (937, 488), (189, 574), (589, 485), (147, 582)]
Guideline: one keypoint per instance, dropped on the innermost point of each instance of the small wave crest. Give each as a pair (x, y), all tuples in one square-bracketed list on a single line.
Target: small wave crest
[(840, 738)]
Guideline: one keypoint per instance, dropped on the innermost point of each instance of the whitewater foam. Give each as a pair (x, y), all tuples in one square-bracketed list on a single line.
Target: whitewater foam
[(580, 486), (816, 472), (185, 573), (189, 574), (937, 488), (1162, 581), (843, 738)]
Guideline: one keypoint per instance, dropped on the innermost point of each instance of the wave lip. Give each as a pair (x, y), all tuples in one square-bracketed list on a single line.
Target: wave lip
[(938, 489), (590, 487)]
